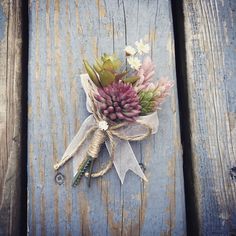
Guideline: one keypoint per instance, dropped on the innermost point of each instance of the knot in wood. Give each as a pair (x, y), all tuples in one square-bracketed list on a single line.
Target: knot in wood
[(59, 178)]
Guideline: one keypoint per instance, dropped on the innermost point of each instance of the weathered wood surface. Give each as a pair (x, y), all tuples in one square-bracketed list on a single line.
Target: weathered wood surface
[(10, 115), (62, 33), (211, 79)]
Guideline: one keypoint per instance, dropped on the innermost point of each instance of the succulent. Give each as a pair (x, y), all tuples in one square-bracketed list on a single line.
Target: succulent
[(107, 70), (110, 62), (118, 101), (104, 71)]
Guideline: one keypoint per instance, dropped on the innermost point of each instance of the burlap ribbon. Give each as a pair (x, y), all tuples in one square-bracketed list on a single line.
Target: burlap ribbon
[(92, 135)]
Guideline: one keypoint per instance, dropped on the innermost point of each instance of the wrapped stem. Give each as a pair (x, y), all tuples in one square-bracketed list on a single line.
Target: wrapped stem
[(98, 139)]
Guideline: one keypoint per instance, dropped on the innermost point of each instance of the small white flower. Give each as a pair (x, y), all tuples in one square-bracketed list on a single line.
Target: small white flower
[(141, 47), (134, 62), (130, 50), (103, 125)]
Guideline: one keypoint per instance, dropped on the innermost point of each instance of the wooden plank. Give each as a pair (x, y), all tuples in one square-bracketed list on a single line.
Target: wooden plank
[(62, 33), (10, 115), (211, 79)]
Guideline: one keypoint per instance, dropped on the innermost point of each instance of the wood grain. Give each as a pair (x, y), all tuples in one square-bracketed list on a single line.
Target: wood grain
[(62, 33), (10, 115), (211, 79)]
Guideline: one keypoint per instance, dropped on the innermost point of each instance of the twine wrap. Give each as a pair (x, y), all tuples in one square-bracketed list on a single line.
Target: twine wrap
[(98, 139)]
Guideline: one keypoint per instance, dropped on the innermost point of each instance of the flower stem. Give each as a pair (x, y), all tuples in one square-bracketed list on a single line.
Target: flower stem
[(90, 172), (81, 170)]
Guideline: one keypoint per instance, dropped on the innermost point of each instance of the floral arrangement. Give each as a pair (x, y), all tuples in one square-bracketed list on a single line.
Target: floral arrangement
[(123, 99)]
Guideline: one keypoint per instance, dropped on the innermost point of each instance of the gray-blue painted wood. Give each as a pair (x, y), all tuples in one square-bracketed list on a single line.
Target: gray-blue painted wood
[(211, 78), (62, 33)]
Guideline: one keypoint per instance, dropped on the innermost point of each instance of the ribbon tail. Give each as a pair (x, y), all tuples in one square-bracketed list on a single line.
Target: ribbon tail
[(76, 148), (81, 153), (124, 160)]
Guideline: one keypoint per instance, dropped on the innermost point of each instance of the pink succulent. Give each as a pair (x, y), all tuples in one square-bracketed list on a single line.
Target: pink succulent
[(118, 101)]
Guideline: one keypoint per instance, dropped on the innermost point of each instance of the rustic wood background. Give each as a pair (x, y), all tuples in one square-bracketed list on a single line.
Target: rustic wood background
[(10, 115), (211, 79), (193, 41), (62, 33)]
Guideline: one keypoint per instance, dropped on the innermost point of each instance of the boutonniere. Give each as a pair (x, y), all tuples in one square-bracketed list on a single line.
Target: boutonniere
[(123, 101)]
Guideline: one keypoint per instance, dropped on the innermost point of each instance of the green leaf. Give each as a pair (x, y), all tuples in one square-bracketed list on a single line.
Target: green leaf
[(107, 65), (148, 96), (106, 77), (92, 74), (99, 62), (116, 63), (144, 104), (130, 79), (105, 57), (141, 95), (97, 66)]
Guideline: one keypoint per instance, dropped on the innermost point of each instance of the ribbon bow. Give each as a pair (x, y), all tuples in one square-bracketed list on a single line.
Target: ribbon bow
[(95, 131)]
